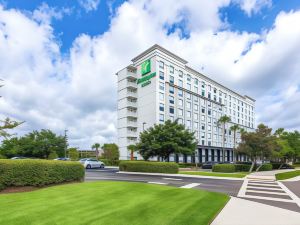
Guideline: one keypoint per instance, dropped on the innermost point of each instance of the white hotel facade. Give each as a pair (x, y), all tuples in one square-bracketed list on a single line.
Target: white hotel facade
[(160, 86)]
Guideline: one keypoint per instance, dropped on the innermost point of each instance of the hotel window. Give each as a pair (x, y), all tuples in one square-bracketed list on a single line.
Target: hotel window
[(188, 105), (203, 126), (171, 79), (188, 114), (209, 127), (161, 75), (188, 123), (196, 89), (188, 96), (203, 110), (180, 83), (220, 100), (203, 85), (203, 93), (161, 64), (180, 121), (195, 99), (180, 102), (161, 118), (202, 117), (180, 73), (188, 86), (196, 81), (209, 95), (215, 98), (172, 110), (209, 120), (209, 112), (215, 90), (209, 87), (171, 90), (209, 135), (195, 107), (161, 107), (161, 86), (171, 69), (172, 118), (188, 77), (161, 96), (203, 142), (209, 143), (195, 116), (196, 125), (171, 99), (180, 112), (180, 93)]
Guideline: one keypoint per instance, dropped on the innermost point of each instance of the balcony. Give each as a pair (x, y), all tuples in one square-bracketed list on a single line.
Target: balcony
[(131, 83), (131, 133), (131, 123), (131, 141), (131, 113), (131, 104), (131, 94)]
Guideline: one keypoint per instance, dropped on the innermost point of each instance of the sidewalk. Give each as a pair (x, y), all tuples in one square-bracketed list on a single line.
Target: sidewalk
[(266, 175), (244, 212)]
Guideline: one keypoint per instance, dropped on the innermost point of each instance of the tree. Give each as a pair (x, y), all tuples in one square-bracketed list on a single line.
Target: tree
[(73, 154), (53, 155), (260, 144), (161, 140), (111, 152), (96, 146), (8, 124), (132, 149), (222, 121), (234, 128), (39, 144)]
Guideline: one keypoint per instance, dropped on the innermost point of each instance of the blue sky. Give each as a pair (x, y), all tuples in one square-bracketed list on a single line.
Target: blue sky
[(59, 58)]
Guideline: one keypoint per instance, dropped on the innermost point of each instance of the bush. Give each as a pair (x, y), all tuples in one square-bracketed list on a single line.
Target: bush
[(32, 172), (242, 167), (2, 157), (224, 168), (108, 162), (276, 165), (151, 167), (53, 155), (266, 167)]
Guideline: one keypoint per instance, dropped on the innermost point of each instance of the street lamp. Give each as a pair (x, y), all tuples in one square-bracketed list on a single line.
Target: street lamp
[(196, 156), (144, 125), (66, 143)]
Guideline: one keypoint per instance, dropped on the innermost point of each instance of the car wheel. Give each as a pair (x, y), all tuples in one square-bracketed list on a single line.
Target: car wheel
[(88, 166), (102, 166)]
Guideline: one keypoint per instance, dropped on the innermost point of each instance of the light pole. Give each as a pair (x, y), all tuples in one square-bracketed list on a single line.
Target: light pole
[(196, 156), (66, 143), (144, 123)]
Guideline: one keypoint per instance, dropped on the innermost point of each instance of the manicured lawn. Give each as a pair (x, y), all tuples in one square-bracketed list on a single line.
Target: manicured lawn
[(287, 175), (111, 203), (212, 174)]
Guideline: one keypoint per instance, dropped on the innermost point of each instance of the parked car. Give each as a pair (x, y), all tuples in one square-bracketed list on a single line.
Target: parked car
[(63, 159), (91, 163), (19, 157), (208, 165)]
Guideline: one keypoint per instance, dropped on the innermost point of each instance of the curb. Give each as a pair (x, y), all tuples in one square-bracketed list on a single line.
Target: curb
[(181, 175)]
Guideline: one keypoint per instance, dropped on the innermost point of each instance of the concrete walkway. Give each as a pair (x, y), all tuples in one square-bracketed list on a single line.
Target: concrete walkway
[(266, 175), (244, 212)]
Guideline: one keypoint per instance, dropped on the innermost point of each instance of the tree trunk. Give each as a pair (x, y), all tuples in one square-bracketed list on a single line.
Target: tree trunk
[(233, 153), (223, 151), (131, 155)]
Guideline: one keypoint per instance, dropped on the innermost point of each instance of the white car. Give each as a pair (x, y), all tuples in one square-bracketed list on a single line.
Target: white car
[(91, 163)]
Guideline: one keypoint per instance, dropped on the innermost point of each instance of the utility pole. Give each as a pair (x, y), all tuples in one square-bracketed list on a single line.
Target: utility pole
[(66, 138)]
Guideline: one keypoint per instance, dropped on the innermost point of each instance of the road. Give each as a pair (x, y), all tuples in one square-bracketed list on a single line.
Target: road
[(230, 187)]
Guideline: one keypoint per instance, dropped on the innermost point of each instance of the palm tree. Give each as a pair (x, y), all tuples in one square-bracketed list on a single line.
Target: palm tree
[(96, 146), (234, 128), (222, 121), (132, 148)]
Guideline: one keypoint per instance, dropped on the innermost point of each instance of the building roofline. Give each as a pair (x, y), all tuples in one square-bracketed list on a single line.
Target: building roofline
[(158, 47), (213, 81)]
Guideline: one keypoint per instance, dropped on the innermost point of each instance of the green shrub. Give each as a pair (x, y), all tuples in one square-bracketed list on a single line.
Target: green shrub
[(276, 165), (266, 167), (151, 167), (224, 168), (53, 155), (108, 162), (242, 167), (31, 172), (2, 157)]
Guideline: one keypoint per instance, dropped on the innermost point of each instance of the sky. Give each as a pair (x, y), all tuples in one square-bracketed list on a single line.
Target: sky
[(58, 59)]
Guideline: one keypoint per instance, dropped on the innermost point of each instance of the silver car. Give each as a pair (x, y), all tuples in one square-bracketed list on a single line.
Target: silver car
[(91, 163)]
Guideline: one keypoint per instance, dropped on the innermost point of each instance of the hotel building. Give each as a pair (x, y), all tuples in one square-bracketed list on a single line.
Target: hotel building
[(160, 86)]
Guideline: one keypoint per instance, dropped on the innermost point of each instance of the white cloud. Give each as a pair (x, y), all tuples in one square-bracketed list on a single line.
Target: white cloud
[(89, 5), (253, 6), (50, 90)]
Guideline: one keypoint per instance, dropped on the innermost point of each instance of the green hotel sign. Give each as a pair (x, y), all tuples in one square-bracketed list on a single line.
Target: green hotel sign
[(146, 67), (146, 78)]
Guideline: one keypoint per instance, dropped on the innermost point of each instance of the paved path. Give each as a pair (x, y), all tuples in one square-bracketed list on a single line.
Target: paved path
[(244, 212)]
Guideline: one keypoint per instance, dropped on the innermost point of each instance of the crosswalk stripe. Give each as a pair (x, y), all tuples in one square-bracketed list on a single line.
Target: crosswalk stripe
[(190, 185), (150, 182)]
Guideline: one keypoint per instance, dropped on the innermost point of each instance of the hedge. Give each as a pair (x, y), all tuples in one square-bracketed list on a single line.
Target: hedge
[(242, 167), (224, 168), (266, 167), (151, 167), (188, 165), (108, 162), (34, 172)]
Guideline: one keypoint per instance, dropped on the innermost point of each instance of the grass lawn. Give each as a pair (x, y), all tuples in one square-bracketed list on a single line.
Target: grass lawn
[(111, 203), (212, 174), (287, 175)]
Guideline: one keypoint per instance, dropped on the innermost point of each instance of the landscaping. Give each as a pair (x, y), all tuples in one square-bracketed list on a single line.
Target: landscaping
[(213, 174), (148, 167), (111, 203), (287, 175), (34, 172)]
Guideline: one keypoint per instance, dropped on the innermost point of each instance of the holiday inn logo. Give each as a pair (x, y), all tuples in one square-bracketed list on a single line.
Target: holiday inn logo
[(146, 67)]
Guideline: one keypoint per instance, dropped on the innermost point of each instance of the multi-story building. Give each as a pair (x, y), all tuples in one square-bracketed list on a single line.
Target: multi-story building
[(160, 86)]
